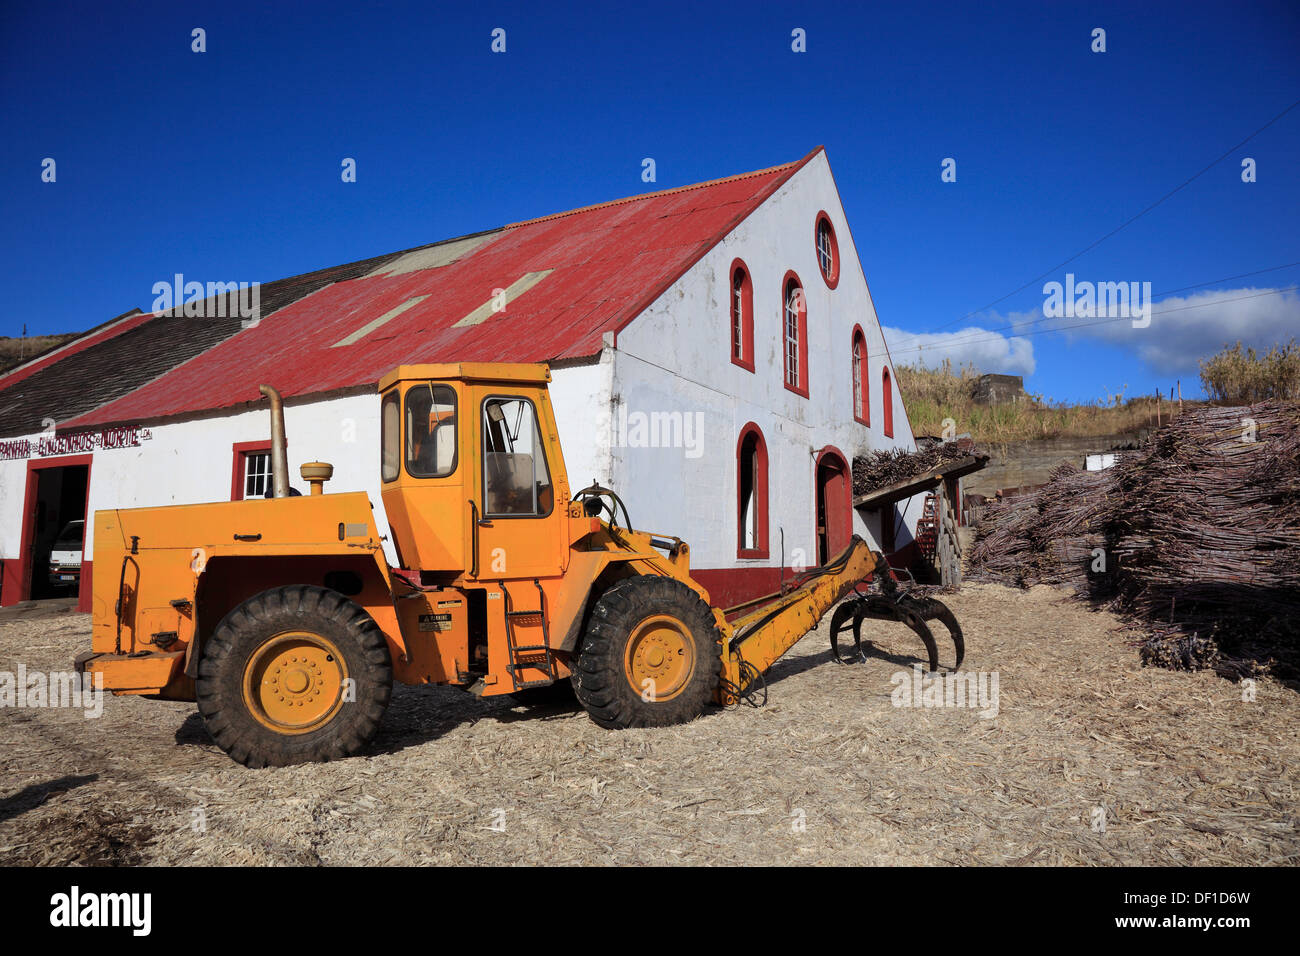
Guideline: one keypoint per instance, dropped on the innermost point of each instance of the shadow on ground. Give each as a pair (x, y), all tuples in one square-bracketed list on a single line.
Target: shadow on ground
[(33, 795)]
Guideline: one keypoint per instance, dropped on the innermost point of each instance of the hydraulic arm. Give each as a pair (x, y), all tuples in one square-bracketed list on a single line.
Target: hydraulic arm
[(756, 641)]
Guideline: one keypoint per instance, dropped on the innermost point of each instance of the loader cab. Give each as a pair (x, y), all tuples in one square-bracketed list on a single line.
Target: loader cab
[(471, 470)]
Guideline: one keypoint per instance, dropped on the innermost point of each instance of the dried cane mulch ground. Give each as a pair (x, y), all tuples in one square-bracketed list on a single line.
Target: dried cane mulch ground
[(1183, 770)]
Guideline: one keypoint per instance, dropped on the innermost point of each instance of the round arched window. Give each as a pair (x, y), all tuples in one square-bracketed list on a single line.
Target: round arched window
[(828, 250)]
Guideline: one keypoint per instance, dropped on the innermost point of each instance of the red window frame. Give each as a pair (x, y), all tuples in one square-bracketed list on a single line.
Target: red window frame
[(887, 402), (860, 377), (760, 494), (801, 332), (831, 278), (746, 318), (239, 453)]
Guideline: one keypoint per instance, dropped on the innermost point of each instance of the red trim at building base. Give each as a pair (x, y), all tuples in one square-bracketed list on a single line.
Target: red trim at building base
[(728, 587), (11, 592)]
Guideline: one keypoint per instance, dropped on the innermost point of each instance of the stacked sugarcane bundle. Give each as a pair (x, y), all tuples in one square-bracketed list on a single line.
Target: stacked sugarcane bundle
[(1196, 535), (1048, 537), (878, 469)]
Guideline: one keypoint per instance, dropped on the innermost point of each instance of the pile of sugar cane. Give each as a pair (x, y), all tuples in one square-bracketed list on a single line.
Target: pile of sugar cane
[(1195, 536), (880, 468)]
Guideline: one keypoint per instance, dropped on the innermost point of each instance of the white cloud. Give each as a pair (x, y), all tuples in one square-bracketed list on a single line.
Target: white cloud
[(1184, 329), (987, 351)]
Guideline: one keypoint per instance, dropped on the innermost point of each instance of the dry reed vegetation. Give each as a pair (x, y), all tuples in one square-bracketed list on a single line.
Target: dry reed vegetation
[(1241, 377), (932, 395), (15, 351)]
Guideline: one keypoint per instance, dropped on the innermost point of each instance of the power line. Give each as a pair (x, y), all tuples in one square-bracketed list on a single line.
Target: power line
[(1244, 275), (1206, 305), (1126, 222), (1083, 325)]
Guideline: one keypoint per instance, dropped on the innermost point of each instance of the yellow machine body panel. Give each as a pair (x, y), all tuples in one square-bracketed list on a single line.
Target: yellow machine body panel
[(174, 570)]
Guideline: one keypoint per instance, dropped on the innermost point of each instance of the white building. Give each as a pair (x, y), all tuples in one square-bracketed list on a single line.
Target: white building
[(715, 352)]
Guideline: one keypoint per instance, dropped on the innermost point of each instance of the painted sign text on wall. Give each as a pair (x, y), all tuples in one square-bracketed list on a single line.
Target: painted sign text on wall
[(51, 444)]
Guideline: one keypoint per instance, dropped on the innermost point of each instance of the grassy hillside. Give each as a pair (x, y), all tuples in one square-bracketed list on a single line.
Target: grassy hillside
[(932, 395), (14, 351)]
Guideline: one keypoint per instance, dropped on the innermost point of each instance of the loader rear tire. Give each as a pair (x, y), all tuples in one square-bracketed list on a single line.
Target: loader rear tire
[(651, 655), (294, 675)]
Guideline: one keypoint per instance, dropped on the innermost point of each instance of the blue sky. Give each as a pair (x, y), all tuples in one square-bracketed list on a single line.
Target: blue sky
[(226, 164)]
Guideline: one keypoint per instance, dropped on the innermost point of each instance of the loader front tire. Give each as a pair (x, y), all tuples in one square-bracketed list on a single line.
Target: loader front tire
[(651, 655), (294, 675)]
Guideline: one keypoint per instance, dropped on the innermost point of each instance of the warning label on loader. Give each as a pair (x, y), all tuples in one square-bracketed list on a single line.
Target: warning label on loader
[(435, 622)]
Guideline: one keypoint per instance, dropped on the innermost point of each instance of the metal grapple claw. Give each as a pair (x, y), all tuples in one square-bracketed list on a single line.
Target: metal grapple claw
[(889, 605), (845, 613)]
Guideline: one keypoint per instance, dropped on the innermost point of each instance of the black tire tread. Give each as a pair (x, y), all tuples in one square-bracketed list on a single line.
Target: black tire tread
[(300, 607), (598, 679)]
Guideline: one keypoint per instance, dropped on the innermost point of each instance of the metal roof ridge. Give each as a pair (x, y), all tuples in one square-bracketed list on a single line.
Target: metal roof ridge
[(783, 167)]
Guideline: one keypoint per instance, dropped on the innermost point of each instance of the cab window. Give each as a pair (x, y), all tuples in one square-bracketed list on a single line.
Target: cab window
[(430, 448), (516, 481), (390, 440)]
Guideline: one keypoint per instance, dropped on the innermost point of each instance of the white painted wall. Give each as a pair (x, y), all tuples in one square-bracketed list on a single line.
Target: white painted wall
[(580, 399), (13, 487), (676, 357)]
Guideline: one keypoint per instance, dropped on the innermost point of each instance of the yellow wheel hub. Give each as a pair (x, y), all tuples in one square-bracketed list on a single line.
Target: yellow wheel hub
[(294, 682), (660, 651)]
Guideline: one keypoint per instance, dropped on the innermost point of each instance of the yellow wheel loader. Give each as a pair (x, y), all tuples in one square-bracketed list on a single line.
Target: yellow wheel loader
[(283, 619)]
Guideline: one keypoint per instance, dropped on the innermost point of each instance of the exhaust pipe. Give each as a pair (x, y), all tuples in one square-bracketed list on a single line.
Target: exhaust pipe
[(279, 448)]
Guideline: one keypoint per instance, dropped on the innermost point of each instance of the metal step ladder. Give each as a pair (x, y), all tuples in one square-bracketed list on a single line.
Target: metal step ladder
[(927, 528), (523, 657)]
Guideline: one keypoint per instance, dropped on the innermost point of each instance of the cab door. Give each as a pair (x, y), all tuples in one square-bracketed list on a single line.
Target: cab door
[(521, 494), (424, 461)]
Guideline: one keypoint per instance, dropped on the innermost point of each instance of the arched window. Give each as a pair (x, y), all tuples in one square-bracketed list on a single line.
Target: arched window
[(741, 295), (751, 493), (794, 334), (861, 388), (887, 402), (828, 250)]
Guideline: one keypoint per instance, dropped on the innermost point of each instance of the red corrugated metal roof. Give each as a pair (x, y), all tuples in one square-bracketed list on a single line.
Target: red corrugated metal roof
[(608, 263)]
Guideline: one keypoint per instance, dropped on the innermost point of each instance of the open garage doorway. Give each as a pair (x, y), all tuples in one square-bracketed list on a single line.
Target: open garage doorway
[(834, 505), (54, 530)]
